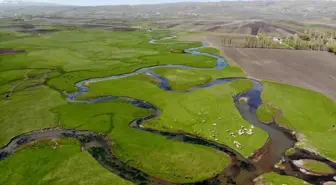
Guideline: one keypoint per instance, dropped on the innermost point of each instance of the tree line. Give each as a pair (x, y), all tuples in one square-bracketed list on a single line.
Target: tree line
[(309, 40)]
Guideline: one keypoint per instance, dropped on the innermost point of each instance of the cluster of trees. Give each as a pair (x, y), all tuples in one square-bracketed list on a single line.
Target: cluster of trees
[(261, 41), (332, 48), (316, 34), (307, 42), (20, 18), (310, 40), (227, 42), (293, 42), (318, 40)]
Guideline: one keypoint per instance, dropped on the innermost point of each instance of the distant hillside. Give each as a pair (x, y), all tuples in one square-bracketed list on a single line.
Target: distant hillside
[(243, 10), (25, 3)]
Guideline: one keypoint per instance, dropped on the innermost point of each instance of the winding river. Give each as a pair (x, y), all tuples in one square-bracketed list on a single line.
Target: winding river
[(241, 171)]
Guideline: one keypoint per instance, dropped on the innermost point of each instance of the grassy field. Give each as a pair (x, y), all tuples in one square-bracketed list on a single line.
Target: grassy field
[(318, 167), (210, 51), (55, 62), (143, 150), (203, 112), (266, 113), (302, 107), (183, 79), (28, 110), (41, 164), (88, 53), (31, 84), (275, 179), (9, 35), (184, 59), (17, 80)]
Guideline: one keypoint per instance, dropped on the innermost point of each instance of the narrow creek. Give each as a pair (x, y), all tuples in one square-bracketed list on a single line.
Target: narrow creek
[(241, 171)]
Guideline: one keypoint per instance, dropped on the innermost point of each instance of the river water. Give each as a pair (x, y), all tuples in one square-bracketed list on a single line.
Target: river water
[(241, 171)]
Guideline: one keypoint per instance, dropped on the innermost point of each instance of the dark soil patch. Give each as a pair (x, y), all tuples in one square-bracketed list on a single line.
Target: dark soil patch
[(258, 26), (200, 23), (38, 31), (120, 29), (109, 25), (117, 27), (333, 27), (204, 23), (18, 26), (263, 156), (172, 25), (214, 28), (294, 23), (291, 31), (10, 51)]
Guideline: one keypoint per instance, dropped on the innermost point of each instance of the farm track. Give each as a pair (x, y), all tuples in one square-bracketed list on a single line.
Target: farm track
[(241, 170)]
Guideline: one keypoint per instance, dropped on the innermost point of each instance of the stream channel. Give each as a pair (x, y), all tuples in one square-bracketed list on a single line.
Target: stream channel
[(241, 170)]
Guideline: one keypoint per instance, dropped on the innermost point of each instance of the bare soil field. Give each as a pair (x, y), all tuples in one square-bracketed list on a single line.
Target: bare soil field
[(9, 51), (241, 27), (309, 69)]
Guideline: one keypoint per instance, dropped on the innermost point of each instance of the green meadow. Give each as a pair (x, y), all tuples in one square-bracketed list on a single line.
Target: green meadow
[(206, 112), (267, 113), (33, 85), (209, 50), (184, 79), (309, 113), (28, 110), (55, 162), (276, 179), (143, 150), (318, 167)]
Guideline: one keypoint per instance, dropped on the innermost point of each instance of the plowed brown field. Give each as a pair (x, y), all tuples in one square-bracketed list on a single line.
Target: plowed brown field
[(310, 69)]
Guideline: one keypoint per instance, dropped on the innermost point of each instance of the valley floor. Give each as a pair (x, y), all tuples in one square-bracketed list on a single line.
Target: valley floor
[(36, 89)]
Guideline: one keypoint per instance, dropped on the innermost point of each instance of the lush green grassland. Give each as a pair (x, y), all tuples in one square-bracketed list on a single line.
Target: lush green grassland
[(61, 59), (183, 59), (41, 164), (318, 167), (9, 76), (9, 35), (17, 80), (183, 79), (66, 82), (275, 179), (82, 54), (55, 62), (161, 34), (307, 112), (28, 110), (266, 113), (205, 112), (210, 51), (154, 154)]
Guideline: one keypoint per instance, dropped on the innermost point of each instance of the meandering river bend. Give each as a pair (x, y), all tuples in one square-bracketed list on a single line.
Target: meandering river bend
[(241, 171)]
